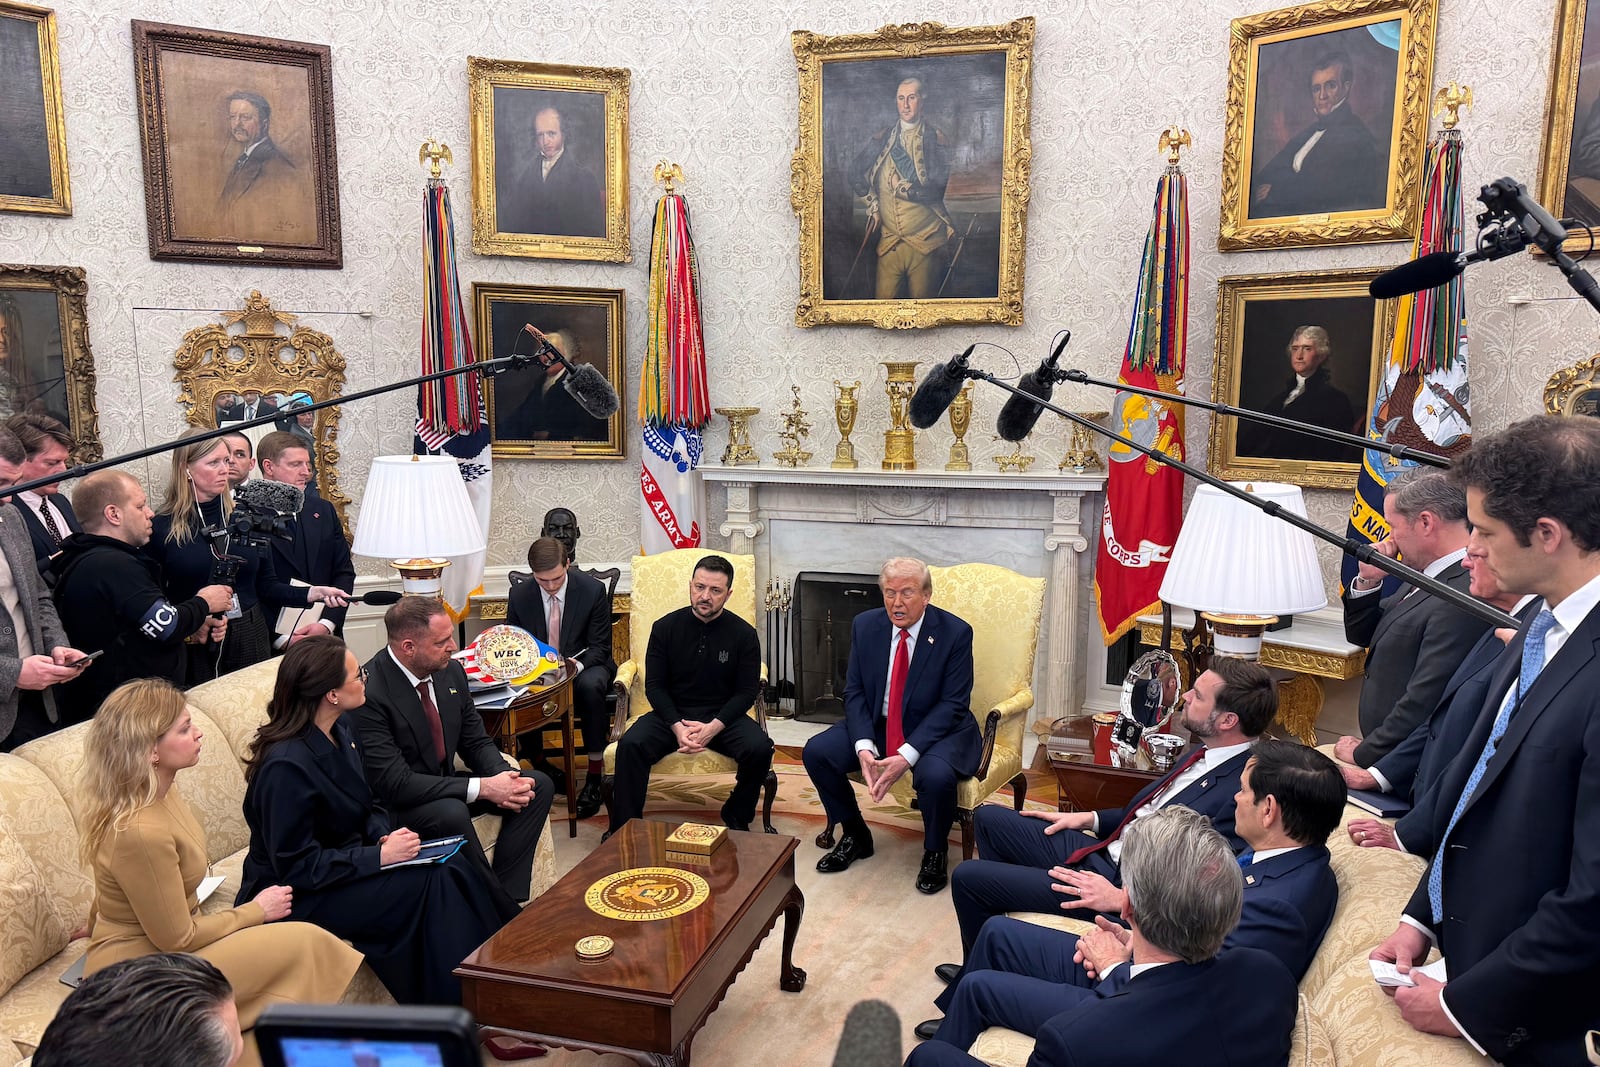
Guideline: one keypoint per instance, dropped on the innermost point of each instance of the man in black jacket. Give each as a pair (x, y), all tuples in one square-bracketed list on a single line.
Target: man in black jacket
[(316, 552), (582, 613), (1333, 163), (110, 600), (418, 718), (49, 517)]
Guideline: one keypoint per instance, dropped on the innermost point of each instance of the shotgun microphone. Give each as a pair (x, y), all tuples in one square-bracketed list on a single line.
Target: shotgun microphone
[(938, 390), (1017, 417), (583, 383)]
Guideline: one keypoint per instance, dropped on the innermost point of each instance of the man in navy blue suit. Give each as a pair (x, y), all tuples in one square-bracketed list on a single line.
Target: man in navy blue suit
[(316, 552), (1184, 1000), (1510, 898), (907, 708), (1029, 858), (1290, 799), (45, 511)]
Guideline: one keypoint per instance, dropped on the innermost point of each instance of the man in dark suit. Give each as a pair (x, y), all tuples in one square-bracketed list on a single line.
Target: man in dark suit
[(549, 412), (907, 695), (1308, 396), (1333, 164), (34, 651), (1414, 641), (1030, 858), (556, 194), (46, 510), (1185, 1000), (1290, 799), (316, 552), (582, 612), (1510, 897), (417, 720), (251, 406)]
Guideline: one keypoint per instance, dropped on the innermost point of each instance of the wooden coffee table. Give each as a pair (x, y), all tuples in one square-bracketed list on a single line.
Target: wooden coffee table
[(665, 976)]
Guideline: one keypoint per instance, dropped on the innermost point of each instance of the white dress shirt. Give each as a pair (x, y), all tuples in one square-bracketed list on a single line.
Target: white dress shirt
[(866, 744), (1214, 758), (36, 502)]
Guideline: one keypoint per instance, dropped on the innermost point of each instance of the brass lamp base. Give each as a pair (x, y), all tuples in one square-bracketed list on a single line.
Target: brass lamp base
[(1238, 636), (421, 577)]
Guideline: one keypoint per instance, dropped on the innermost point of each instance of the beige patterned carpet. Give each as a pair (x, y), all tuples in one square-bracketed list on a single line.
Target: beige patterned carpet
[(885, 949)]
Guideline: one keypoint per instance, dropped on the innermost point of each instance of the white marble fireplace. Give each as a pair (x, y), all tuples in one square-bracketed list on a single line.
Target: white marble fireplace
[(817, 518)]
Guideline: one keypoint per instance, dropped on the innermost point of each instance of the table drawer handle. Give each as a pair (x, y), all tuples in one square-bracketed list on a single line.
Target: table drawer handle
[(549, 707)]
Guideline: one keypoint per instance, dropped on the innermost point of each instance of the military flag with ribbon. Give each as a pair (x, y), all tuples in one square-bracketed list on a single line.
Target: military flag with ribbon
[(674, 401), (451, 416), (1144, 497), (1423, 400)]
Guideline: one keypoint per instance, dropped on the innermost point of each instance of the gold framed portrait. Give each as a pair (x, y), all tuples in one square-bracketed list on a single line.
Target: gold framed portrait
[(531, 415), (549, 160), (33, 123), (1326, 123), (911, 175), (1569, 174), (46, 367), (1574, 390), (1309, 346), (240, 164)]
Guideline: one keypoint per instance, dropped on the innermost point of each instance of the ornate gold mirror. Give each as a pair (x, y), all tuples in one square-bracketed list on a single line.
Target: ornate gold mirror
[(252, 360), (1574, 390)]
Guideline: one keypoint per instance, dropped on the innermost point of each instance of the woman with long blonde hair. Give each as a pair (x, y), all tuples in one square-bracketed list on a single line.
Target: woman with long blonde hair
[(148, 856), (190, 539)]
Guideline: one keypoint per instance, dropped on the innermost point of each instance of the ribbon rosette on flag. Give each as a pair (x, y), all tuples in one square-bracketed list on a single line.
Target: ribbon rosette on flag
[(1423, 400), (1144, 497), (451, 416), (674, 402)]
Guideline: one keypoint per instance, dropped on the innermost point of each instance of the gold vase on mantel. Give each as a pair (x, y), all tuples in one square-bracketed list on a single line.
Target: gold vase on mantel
[(900, 440), (960, 421), (844, 413)]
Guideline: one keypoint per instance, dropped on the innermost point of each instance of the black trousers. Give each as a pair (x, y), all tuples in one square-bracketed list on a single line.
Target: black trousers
[(512, 869), (589, 691), (32, 721), (651, 739)]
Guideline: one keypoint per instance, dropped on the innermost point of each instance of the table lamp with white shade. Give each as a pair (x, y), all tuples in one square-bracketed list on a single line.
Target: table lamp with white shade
[(1240, 568), (416, 513)]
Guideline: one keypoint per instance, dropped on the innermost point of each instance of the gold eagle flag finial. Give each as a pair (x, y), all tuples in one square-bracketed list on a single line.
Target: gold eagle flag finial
[(1449, 101), (1174, 139), (432, 153), (668, 174)]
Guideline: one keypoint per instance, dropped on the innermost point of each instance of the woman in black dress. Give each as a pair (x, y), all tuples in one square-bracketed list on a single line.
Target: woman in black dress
[(197, 501), (315, 827)]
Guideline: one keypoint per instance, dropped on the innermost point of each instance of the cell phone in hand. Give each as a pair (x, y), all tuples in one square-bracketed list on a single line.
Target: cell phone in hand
[(84, 661)]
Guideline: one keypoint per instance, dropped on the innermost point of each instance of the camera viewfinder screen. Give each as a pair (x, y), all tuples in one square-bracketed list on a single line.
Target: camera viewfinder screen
[(362, 1052)]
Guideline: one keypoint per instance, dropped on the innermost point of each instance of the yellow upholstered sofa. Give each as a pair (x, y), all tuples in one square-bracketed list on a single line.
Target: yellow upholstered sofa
[(1345, 1019), (45, 893)]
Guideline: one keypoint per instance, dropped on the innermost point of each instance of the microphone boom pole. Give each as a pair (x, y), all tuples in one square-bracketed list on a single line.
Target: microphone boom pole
[(1402, 452), (488, 367), (1365, 553)]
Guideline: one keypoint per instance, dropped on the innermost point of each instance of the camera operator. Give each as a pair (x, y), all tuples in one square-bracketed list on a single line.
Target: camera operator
[(191, 541), (110, 597)]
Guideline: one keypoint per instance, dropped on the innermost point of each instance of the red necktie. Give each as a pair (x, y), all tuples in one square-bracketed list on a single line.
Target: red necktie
[(430, 711), (897, 693), (1161, 787)]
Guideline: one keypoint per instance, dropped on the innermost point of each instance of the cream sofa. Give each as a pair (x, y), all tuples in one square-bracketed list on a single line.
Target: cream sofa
[(1345, 1019), (45, 893)]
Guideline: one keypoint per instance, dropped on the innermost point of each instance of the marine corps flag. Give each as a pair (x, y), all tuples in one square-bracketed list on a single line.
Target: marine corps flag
[(674, 402), (451, 417), (1422, 401), (1144, 497)]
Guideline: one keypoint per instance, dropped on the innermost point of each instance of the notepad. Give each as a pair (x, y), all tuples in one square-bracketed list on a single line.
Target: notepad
[(435, 851)]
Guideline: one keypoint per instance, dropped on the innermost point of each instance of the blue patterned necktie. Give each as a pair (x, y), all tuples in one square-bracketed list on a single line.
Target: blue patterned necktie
[(1532, 663)]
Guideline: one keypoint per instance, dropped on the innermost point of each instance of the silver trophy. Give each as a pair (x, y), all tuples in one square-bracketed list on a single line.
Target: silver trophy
[(1163, 749), (1151, 693)]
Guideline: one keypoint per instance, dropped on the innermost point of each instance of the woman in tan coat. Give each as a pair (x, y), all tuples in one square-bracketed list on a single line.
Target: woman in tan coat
[(148, 855)]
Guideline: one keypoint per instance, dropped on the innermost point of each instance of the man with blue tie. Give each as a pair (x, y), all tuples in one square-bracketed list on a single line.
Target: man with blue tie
[(1290, 799), (1185, 1000), (907, 700), (1029, 858), (1510, 898)]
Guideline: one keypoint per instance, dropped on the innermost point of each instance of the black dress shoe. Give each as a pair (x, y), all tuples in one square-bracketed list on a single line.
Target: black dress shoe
[(947, 972), (932, 877), (589, 798), (850, 848), (926, 1029)]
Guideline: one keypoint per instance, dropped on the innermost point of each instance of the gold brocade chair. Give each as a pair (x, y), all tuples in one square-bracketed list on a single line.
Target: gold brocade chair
[(661, 586), (1003, 608)]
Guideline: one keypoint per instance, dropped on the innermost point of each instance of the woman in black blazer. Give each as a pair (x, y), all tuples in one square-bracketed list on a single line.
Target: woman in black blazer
[(315, 827)]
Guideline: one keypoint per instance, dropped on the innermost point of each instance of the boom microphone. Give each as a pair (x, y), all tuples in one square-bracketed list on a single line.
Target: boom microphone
[(1429, 272), (263, 496), (938, 390), (1017, 417), (583, 383), (377, 597), (871, 1037)]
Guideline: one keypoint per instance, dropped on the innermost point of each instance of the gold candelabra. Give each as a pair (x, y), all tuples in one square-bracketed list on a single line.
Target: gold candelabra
[(1081, 454), (795, 428)]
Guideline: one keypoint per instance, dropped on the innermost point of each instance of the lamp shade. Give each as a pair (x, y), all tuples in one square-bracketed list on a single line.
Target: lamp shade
[(1236, 559), (416, 506)]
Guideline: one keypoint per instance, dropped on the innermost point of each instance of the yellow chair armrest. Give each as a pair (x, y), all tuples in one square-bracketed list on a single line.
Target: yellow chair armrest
[(625, 675), (1017, 703), (1008, 710)]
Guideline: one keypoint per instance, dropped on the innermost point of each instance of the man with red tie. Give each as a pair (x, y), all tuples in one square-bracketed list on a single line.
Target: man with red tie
[(906, 702), (1044, 861)]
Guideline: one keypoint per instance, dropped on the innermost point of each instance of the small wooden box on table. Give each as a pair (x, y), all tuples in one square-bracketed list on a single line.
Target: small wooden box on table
[(665, 976)]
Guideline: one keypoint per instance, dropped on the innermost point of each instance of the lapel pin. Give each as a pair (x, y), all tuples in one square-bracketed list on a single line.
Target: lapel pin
[(452, 690), (1249, 879), (930, 639), (1205, 782)]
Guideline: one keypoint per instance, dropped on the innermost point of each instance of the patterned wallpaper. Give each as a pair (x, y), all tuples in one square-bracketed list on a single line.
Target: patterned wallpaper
[(714, 88)]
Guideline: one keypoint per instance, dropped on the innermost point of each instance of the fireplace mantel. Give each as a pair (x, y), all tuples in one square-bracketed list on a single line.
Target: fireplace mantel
[(1034, 523)]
